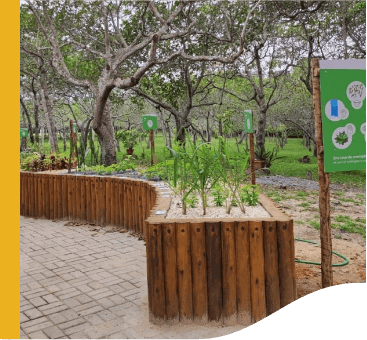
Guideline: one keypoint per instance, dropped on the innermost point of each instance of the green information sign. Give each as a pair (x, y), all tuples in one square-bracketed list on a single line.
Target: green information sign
[(248, 121), (150, 122), (343, 110), (24, 132)]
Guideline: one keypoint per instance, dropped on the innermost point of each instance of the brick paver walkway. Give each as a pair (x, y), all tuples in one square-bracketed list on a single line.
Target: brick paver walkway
[(81, 282)]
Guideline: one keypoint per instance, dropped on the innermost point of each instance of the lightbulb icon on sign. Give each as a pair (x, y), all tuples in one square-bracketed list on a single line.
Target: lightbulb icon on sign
[(248, 124), (356, 93), (150, 123)]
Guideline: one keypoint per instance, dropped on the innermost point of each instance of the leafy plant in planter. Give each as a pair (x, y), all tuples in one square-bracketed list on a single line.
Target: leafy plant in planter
[(250, 194), (232, 167), (267, 156), (129, 139)]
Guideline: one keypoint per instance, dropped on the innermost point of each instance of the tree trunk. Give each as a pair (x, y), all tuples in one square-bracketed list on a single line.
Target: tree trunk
[(105, 132), (180, 131), (220, 127), (30, 128), (260, 135), (47, 107)]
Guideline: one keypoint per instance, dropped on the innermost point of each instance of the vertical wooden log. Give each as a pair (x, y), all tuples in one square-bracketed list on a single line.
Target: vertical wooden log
[(41, 194), (116, 202), (31, 195), (98, 199), (286, 262), (48, 197), (143, 203), (83, 200), (102, 200), (88, 199), (184, 271), (271, 267), (65, 212), (120, 183), (21, 193), (109, 183), (45, 195), (214, 265), (133, 205), (75, 198), (170, 273), (56, 197), (324, 184), (140, 208), (258, 301), (78, 198), (93, 181), (252, 159), (27, 200), (51, 196), (243, 273), (229, 273), (199, 273), (58, 201), (70, 188), (156, 275), (126, 204)]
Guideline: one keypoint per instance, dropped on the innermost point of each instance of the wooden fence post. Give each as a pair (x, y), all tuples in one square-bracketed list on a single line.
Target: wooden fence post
[(324, 184)]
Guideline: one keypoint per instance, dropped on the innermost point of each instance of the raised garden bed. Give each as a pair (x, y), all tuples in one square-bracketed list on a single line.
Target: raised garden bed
[(227, 270)]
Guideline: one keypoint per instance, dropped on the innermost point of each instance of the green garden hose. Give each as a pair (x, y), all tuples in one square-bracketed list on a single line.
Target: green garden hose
[(318, 263)]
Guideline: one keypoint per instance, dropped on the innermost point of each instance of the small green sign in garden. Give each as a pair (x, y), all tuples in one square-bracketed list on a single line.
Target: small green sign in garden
[(24, 132), (248, 121), (150, 122), (343, 110)]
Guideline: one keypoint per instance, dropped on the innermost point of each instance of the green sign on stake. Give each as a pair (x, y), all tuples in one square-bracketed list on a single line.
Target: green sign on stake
[(248, 121), (150, 122), (343, 110), (24, 132)]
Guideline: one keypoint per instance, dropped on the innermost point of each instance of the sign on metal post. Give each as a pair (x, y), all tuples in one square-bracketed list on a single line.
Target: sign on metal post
[(24, 132), (150, 122), (343, 110)]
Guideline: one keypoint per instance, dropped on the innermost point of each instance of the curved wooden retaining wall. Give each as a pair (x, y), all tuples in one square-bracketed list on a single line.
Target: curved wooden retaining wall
[(94, 199), (225, 271)]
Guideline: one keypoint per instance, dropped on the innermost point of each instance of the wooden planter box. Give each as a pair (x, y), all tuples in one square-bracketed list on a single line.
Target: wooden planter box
[(227, 271), (218, 270)]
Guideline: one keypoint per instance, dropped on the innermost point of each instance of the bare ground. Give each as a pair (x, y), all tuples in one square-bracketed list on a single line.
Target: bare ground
[(302, 205)]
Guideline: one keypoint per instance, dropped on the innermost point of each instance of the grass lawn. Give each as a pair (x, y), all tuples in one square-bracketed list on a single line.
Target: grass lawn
[(285, 165)]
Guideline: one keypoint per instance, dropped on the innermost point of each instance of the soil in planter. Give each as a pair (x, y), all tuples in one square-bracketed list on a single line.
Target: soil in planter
[(175, 210)]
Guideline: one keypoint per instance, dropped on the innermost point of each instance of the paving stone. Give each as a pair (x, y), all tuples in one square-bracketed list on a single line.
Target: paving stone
[(106, 302), (106, 315), (55, 310), (83, 298), (23, 318), (92, 310), (33, 313), (53, 332), (77, 328), (71, 323), (50, 306), (72, 302), (37, 327), (50, 298), (38, 335), (94, 319), (58, 318), (85, 306), (37, 302), (69, 314)]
